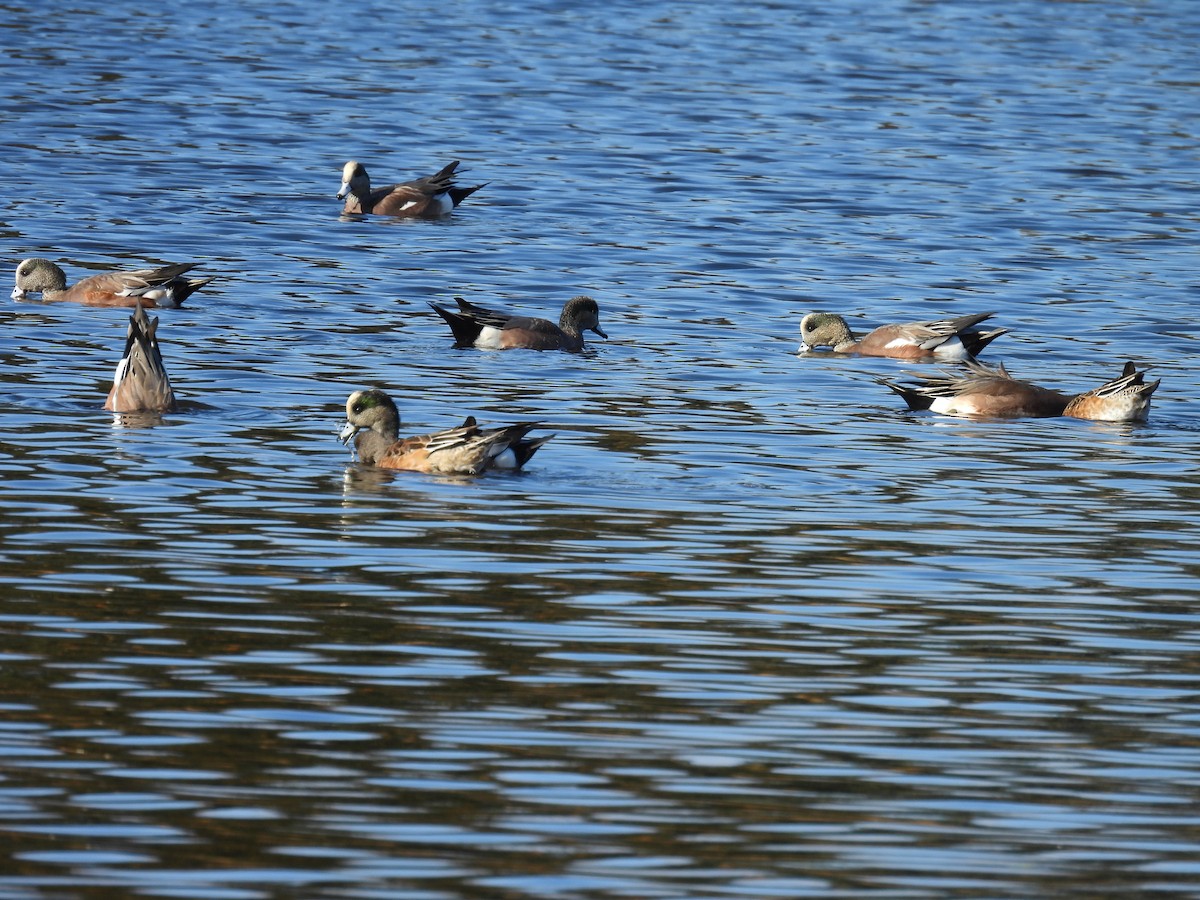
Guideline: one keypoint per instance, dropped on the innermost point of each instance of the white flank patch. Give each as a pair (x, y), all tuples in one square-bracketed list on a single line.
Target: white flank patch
[(489, 338), (951, 348), (505, 459), (948, 406)]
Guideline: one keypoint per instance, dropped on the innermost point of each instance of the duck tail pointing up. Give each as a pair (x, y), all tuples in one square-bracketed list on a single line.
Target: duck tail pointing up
[(459, 194), (465, 329)]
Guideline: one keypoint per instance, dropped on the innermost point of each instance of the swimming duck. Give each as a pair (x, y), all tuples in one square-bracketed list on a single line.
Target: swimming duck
[(490, 329), (950, 340), (993, 393), (162, 287), (428, 197), (373, 421)]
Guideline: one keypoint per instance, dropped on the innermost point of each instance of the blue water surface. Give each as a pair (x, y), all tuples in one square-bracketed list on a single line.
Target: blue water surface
[(744, 627)]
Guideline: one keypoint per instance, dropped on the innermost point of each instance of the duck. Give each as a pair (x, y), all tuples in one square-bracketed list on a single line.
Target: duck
[(983, 391), (490, 329), (140, 383), (373, 421), (163, 287), (948, 340), (428, 198)]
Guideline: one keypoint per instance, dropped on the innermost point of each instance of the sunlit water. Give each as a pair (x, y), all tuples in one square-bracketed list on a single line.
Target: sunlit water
[(744, 628)]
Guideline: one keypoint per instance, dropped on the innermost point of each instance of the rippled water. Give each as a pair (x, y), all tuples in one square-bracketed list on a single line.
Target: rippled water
[(744, 628)]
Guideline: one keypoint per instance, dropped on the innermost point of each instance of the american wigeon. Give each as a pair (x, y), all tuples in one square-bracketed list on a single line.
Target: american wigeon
[(140, 383), (161, 287), (374, 423), (993, 393), (428, 197), (490, 329), (950, 340)]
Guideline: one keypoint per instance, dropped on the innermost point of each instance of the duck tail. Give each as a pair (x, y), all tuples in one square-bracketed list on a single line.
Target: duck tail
[(464, 328)]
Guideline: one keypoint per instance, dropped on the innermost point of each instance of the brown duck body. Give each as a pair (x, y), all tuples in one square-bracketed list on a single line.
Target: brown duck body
[(490, 329), (161, 287), (986, 392), (373, 422), (430, 197)]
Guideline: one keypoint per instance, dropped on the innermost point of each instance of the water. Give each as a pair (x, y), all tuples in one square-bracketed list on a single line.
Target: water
[(744, 628)]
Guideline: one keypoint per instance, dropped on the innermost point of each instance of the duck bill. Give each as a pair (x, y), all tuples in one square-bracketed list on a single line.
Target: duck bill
[(343, 190), (18, 294), (600, 331), (348, 431)]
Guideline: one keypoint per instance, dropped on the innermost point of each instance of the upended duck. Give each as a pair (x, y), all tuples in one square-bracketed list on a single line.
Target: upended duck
[(140, 382)]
